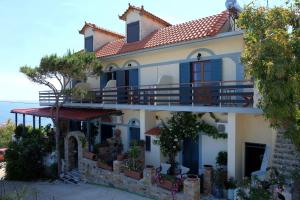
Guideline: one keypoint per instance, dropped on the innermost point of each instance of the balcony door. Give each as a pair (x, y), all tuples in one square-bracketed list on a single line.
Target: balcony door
[(202, 82), (199, 80), (126, 80)]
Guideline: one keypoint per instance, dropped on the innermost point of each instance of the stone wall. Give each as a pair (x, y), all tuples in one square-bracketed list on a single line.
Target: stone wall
[(286, 159), (92, 174)]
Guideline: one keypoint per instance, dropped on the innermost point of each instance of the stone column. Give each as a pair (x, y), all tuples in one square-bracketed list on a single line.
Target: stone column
[(117, 166), (149, 173), (191, 187), (207, 179)]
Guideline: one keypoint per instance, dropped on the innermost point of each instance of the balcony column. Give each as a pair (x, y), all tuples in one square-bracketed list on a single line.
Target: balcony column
[(33, 122), (16, 119), (24, 123), (39, 122), (232, 146)]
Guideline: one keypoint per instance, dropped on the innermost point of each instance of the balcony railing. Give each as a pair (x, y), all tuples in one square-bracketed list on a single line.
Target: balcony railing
[(221, 93)]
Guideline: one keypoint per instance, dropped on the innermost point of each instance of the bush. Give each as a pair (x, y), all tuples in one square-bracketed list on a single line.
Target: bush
[(6, 133), (24, 157)]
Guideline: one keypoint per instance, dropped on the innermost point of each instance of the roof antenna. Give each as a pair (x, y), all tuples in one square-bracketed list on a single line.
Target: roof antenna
[(234, 9)]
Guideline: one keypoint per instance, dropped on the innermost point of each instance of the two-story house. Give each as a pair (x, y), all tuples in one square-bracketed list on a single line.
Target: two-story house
[(157, 68)]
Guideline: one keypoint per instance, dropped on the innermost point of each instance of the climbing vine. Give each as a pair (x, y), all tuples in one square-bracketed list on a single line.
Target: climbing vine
[(272, 57)]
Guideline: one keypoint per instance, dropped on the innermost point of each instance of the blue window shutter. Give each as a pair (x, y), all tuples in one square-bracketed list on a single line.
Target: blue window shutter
[(134, 134), (88, 44), (133, 32), (148, 143), (216, 66), (133, 77), (103, 80), (121, 92), (240, 72), (185, 77)]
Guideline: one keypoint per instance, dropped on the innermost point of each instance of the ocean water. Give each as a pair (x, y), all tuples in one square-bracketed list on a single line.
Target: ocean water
[(7, 106)]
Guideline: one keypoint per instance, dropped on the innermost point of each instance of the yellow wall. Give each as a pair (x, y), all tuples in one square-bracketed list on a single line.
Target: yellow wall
[(254, 129)]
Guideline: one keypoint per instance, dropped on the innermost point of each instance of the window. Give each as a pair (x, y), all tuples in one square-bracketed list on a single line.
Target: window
[(88, 44), (133, 32), (148, 143), (111, 76), (201, 72)]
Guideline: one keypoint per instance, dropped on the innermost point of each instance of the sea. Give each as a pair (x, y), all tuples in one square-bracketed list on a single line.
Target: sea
[(7, 106)]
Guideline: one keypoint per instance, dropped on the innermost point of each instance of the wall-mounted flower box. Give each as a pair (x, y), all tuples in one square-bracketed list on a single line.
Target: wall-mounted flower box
[(103, 165), (89, 155), (133, 174)]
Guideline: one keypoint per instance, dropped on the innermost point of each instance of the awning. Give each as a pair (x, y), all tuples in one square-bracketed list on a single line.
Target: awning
[(78, 114), (153, 131)]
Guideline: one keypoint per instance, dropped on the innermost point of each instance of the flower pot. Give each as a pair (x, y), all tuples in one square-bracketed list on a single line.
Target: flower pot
[(120, 157), (230, 193), (103, 165), (192, 177), (134, 174), (166, 184), (89, 155)]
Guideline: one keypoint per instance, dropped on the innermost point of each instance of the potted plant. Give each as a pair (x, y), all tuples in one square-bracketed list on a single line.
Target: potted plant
[(219, 179), (221, 160), (231, 185), (169, 182), (133, 166)]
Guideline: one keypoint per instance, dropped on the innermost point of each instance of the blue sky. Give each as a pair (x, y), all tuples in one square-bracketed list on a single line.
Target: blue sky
[(33, 28)]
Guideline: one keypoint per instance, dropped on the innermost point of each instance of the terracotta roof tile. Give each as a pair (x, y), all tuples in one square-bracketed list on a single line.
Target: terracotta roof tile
[(192, 30), (103, 30), (143, 12), (153, 131)]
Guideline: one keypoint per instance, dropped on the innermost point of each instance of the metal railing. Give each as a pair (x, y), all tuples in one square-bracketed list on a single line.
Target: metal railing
[(220, 93)]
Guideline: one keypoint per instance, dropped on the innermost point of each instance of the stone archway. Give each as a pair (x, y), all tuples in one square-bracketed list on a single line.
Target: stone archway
[(73, 150)]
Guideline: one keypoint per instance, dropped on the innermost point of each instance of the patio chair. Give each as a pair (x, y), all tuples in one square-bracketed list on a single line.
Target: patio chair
[(163, 169), (260, 174), (183, 171)]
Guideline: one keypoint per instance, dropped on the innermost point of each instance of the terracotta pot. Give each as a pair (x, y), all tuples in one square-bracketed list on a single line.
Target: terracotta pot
[(89, 155), (103, 165), (134, 174), (120, 157), (192, 177), (167, 184)]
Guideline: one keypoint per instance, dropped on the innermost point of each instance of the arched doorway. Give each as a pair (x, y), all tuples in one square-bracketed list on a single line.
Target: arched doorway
[(73, 153)]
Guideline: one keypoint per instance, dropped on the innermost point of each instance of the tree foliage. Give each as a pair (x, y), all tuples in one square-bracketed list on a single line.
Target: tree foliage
[(6, 132), (271, 56), (62, 70)]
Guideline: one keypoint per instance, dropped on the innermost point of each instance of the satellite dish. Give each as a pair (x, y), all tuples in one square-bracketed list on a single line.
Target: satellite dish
[(233, 4)]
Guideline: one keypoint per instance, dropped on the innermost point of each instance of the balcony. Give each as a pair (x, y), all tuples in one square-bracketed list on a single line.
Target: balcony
[(221, 94)]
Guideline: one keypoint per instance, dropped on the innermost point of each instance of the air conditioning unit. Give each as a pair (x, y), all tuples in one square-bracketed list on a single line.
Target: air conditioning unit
[(118, 119), (222, 127)]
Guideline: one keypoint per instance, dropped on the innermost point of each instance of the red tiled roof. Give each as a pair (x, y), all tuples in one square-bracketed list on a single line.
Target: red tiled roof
[(143, 12), (153, 131), (79, 114), (196, 29), (103, 30)]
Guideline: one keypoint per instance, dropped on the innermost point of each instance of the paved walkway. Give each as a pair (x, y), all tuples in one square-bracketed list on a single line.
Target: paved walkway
[(61, 191)]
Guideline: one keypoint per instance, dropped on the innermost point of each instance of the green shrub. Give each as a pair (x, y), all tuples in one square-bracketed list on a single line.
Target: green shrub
[(24, 157)]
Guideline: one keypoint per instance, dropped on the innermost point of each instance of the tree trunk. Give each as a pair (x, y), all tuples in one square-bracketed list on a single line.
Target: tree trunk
[(172, 160), (57, 140)]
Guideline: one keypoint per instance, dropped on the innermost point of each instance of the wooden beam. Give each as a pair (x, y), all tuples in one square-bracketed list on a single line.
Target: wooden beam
[(39, 122), (24, 123), (16, 119)]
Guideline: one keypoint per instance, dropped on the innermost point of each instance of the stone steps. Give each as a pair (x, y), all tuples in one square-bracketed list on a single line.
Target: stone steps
[(72, 177), (285, 157)]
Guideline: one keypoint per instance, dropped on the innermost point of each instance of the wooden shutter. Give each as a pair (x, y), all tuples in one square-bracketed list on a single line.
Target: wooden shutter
[(148, 143), (103, 80), (121, 92), (88, 44), (133, 32), (216, 75), (185, 78)]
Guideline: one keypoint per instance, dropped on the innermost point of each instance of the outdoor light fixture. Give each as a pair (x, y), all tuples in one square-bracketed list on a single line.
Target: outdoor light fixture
[(199, 56), (129, 65)]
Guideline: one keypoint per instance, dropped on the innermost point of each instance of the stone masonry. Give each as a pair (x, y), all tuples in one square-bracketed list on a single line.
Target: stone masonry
[(286, 159), (92, 174)]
